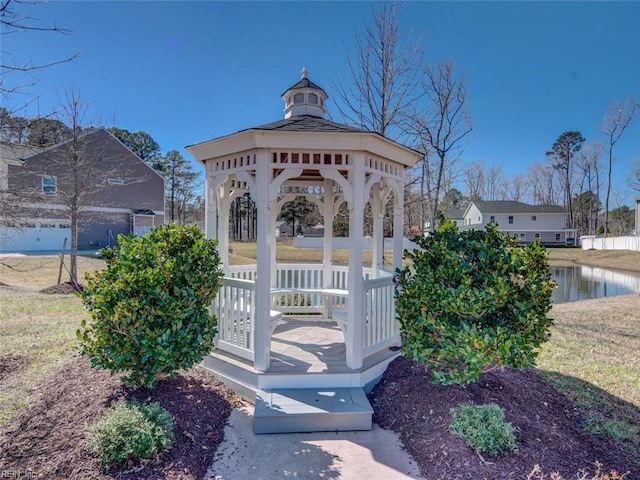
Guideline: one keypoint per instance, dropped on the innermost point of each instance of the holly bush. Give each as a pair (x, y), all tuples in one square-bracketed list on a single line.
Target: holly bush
[(471, 301), (149, 306)]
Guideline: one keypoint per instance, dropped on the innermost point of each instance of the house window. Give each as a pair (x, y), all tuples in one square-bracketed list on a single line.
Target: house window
[(115, 181), (557, 237), (537, 235), (492, 219), (533, 218), (49, 185), (313, 98), (298, 98), (522, 235), (479, 219), (511, 219)]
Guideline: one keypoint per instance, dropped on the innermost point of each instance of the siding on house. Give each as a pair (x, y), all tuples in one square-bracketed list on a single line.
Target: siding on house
[(525, 222), (115, 183)]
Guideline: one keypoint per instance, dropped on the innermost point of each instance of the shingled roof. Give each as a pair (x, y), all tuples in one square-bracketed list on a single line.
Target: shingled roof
[(304, 83), (306, 123), (516, 207)]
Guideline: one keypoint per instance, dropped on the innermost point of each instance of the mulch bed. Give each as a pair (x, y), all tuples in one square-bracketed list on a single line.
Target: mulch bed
[(65, 288), (548, 428), (46, 437)]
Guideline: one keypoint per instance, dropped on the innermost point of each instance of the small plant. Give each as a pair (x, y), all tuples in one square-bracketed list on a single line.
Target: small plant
[(150, 305), (471, 301), (129, 431), (483, 428)]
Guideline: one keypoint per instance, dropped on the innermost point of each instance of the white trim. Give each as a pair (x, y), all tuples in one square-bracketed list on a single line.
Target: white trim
[(57, 206)]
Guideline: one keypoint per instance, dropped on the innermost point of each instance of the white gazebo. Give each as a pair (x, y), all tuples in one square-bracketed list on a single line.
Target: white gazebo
[(305, 155)]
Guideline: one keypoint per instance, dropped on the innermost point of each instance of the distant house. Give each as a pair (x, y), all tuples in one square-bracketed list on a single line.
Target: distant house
[(456, 215), (525, 222), (120, 194)]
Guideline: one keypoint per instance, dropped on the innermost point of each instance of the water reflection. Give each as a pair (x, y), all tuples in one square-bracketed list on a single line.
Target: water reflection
[(582, 283)]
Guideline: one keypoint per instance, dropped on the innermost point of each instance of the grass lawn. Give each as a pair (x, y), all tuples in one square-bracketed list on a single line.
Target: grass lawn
[(37, 331)]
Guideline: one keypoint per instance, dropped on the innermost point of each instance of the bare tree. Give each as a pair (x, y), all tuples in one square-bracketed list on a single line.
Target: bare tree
[(613, 126), (474, 180), (515, 188), (561, 157), (543, 182), (588, 168), (440, 127), (14, 22), (383, 74), (634, 179)]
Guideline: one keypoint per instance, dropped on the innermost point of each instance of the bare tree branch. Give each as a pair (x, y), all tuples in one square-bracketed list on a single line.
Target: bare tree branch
[(613, 126)]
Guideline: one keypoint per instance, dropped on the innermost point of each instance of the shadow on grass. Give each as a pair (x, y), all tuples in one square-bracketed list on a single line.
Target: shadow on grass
[(604, 414)]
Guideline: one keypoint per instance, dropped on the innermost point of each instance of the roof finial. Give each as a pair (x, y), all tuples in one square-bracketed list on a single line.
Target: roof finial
[(304, 72)]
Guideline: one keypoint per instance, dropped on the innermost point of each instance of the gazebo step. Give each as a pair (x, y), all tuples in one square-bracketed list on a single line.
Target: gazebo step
[(312, 410)]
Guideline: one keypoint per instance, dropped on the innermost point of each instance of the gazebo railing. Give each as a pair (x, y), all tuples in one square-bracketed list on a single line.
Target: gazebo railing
[(236, 317), (381, 327), (233, 305)]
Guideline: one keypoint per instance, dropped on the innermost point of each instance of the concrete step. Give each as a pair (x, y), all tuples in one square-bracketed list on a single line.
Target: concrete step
[(311, 410)]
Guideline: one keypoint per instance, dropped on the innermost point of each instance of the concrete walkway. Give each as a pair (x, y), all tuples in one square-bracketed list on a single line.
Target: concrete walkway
[(373, 455)]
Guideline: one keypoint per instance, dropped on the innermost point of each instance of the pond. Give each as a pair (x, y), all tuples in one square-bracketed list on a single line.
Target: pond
[(582, 283)]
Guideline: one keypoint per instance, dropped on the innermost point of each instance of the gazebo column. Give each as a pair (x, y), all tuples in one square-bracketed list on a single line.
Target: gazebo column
[(377, 252), (211, 210), (328, 214), (263, 262), (398, 229), (355, 310), (217, 216)]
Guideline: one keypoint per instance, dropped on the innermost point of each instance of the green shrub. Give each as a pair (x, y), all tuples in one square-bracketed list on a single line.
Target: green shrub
[(483, 428), (473, 300), (149, 306), (129, 431)]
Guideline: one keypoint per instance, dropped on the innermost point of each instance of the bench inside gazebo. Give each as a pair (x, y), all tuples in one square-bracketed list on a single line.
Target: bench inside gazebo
[(304, 340)]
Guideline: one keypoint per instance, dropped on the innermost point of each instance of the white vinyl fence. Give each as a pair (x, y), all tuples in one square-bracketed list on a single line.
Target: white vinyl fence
[(611, 243)]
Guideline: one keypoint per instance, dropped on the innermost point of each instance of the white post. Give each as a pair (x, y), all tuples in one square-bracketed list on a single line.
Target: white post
[(328, 213), (211, 211), (377, 212), (398, 229), (224, 204), (355, 311), (263, 263)]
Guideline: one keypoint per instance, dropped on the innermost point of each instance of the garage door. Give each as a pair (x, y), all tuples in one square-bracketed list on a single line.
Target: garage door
[(33, 239)]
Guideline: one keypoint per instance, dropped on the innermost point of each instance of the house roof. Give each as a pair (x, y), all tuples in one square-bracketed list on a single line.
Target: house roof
[(100, 135), (515, 207), (14, 153), (455, 213)]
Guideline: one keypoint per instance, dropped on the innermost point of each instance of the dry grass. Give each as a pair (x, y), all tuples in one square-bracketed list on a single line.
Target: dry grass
[(37, 272), (245, 253), (598, 341), (593, 358), (39, 331), (613, 259)]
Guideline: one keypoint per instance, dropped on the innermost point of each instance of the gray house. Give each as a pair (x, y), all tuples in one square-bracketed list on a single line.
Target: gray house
[(118, 191), (525, 222)]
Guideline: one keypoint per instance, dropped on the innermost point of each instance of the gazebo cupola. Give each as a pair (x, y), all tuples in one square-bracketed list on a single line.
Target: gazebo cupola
[(304, 98)]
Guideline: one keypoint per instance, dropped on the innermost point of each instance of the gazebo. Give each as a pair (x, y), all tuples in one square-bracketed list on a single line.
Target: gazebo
[(328, 163)]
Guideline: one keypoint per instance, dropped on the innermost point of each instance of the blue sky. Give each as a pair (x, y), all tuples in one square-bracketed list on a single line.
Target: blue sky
[(186, 72)]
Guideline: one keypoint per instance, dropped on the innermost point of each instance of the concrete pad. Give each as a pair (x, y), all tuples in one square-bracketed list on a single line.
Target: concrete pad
[(369, 455)]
